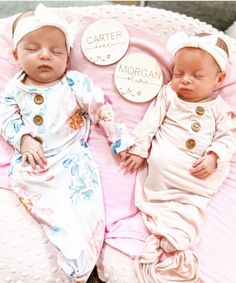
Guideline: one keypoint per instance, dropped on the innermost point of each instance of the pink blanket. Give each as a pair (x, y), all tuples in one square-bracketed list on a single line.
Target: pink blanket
[(125, 229)]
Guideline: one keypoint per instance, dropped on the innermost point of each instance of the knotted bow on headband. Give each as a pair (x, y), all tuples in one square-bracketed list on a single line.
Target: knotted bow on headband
[(44, 17), (208, 43)]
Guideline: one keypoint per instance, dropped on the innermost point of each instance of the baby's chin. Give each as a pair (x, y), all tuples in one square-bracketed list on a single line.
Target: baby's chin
[(186, 96), (40, 81)]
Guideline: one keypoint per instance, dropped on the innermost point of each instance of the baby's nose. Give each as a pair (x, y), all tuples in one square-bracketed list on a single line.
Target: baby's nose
[(186, 78), (44, 53)]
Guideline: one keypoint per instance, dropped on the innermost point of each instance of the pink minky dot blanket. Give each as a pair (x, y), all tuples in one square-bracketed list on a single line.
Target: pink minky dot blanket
[(125, 230)]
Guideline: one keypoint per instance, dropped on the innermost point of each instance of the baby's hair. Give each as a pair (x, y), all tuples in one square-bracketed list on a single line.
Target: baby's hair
[(220, 42), (21, 16)]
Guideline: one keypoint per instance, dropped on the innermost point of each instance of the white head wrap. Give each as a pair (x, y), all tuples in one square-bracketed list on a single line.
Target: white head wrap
[(208, 43), (43, 16)]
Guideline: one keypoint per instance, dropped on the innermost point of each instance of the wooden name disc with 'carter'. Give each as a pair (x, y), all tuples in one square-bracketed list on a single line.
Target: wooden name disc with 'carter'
[(105, 42)]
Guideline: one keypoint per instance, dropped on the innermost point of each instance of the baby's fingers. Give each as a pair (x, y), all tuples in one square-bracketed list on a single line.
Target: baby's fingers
[(42, 156), (196, 169), (203, 174), (28, 158), (34, 158), (130, 168), (128, 165), (24, 160), (40, 159), (197, 162), (122, 155)]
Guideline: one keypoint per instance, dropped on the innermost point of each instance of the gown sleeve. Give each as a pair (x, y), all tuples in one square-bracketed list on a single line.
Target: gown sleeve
[(146, 129), (224, 142), (12, 127), (99, 109)]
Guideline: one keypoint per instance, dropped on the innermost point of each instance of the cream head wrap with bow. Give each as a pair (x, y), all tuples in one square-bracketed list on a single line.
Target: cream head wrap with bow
[(207, 43), (43, 16)]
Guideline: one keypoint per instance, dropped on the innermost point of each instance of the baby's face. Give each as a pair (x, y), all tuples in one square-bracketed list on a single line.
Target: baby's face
[(42, 54), (196, 74)]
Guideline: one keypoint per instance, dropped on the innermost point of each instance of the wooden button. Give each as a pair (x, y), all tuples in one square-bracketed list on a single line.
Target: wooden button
[(200, 110), (38, 120), (190, 143), (196, 127), (38, 139), (38, 99)]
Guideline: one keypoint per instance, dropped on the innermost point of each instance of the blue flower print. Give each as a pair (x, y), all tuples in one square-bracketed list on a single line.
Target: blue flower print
[(74, 169), (80, 192), (56, 229), (83, 143), (66, 163), (87, 84), (74, 166), (87, 194), (8, 99), (70, 81), (115, 146), (17, 126)]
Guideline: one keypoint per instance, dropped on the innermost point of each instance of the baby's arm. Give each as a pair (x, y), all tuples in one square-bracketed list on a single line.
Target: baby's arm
[(12, 127), (100, 111), (224, 141), (15, 132), (205, 165), (223, 145)]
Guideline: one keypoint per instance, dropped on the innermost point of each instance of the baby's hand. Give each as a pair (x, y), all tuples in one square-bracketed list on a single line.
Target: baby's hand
[(32, 152), (204, 166), (123, 155), (132, 162)]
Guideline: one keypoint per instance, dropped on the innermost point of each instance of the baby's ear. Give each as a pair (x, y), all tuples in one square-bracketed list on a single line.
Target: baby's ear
[(221, 77), (15, 55)]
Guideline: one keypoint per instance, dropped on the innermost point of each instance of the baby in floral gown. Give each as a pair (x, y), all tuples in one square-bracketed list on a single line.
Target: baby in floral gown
[(45, 115)]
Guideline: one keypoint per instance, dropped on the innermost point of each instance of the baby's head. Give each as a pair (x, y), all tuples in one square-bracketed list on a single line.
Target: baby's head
[(41, 45), (200, 63)]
